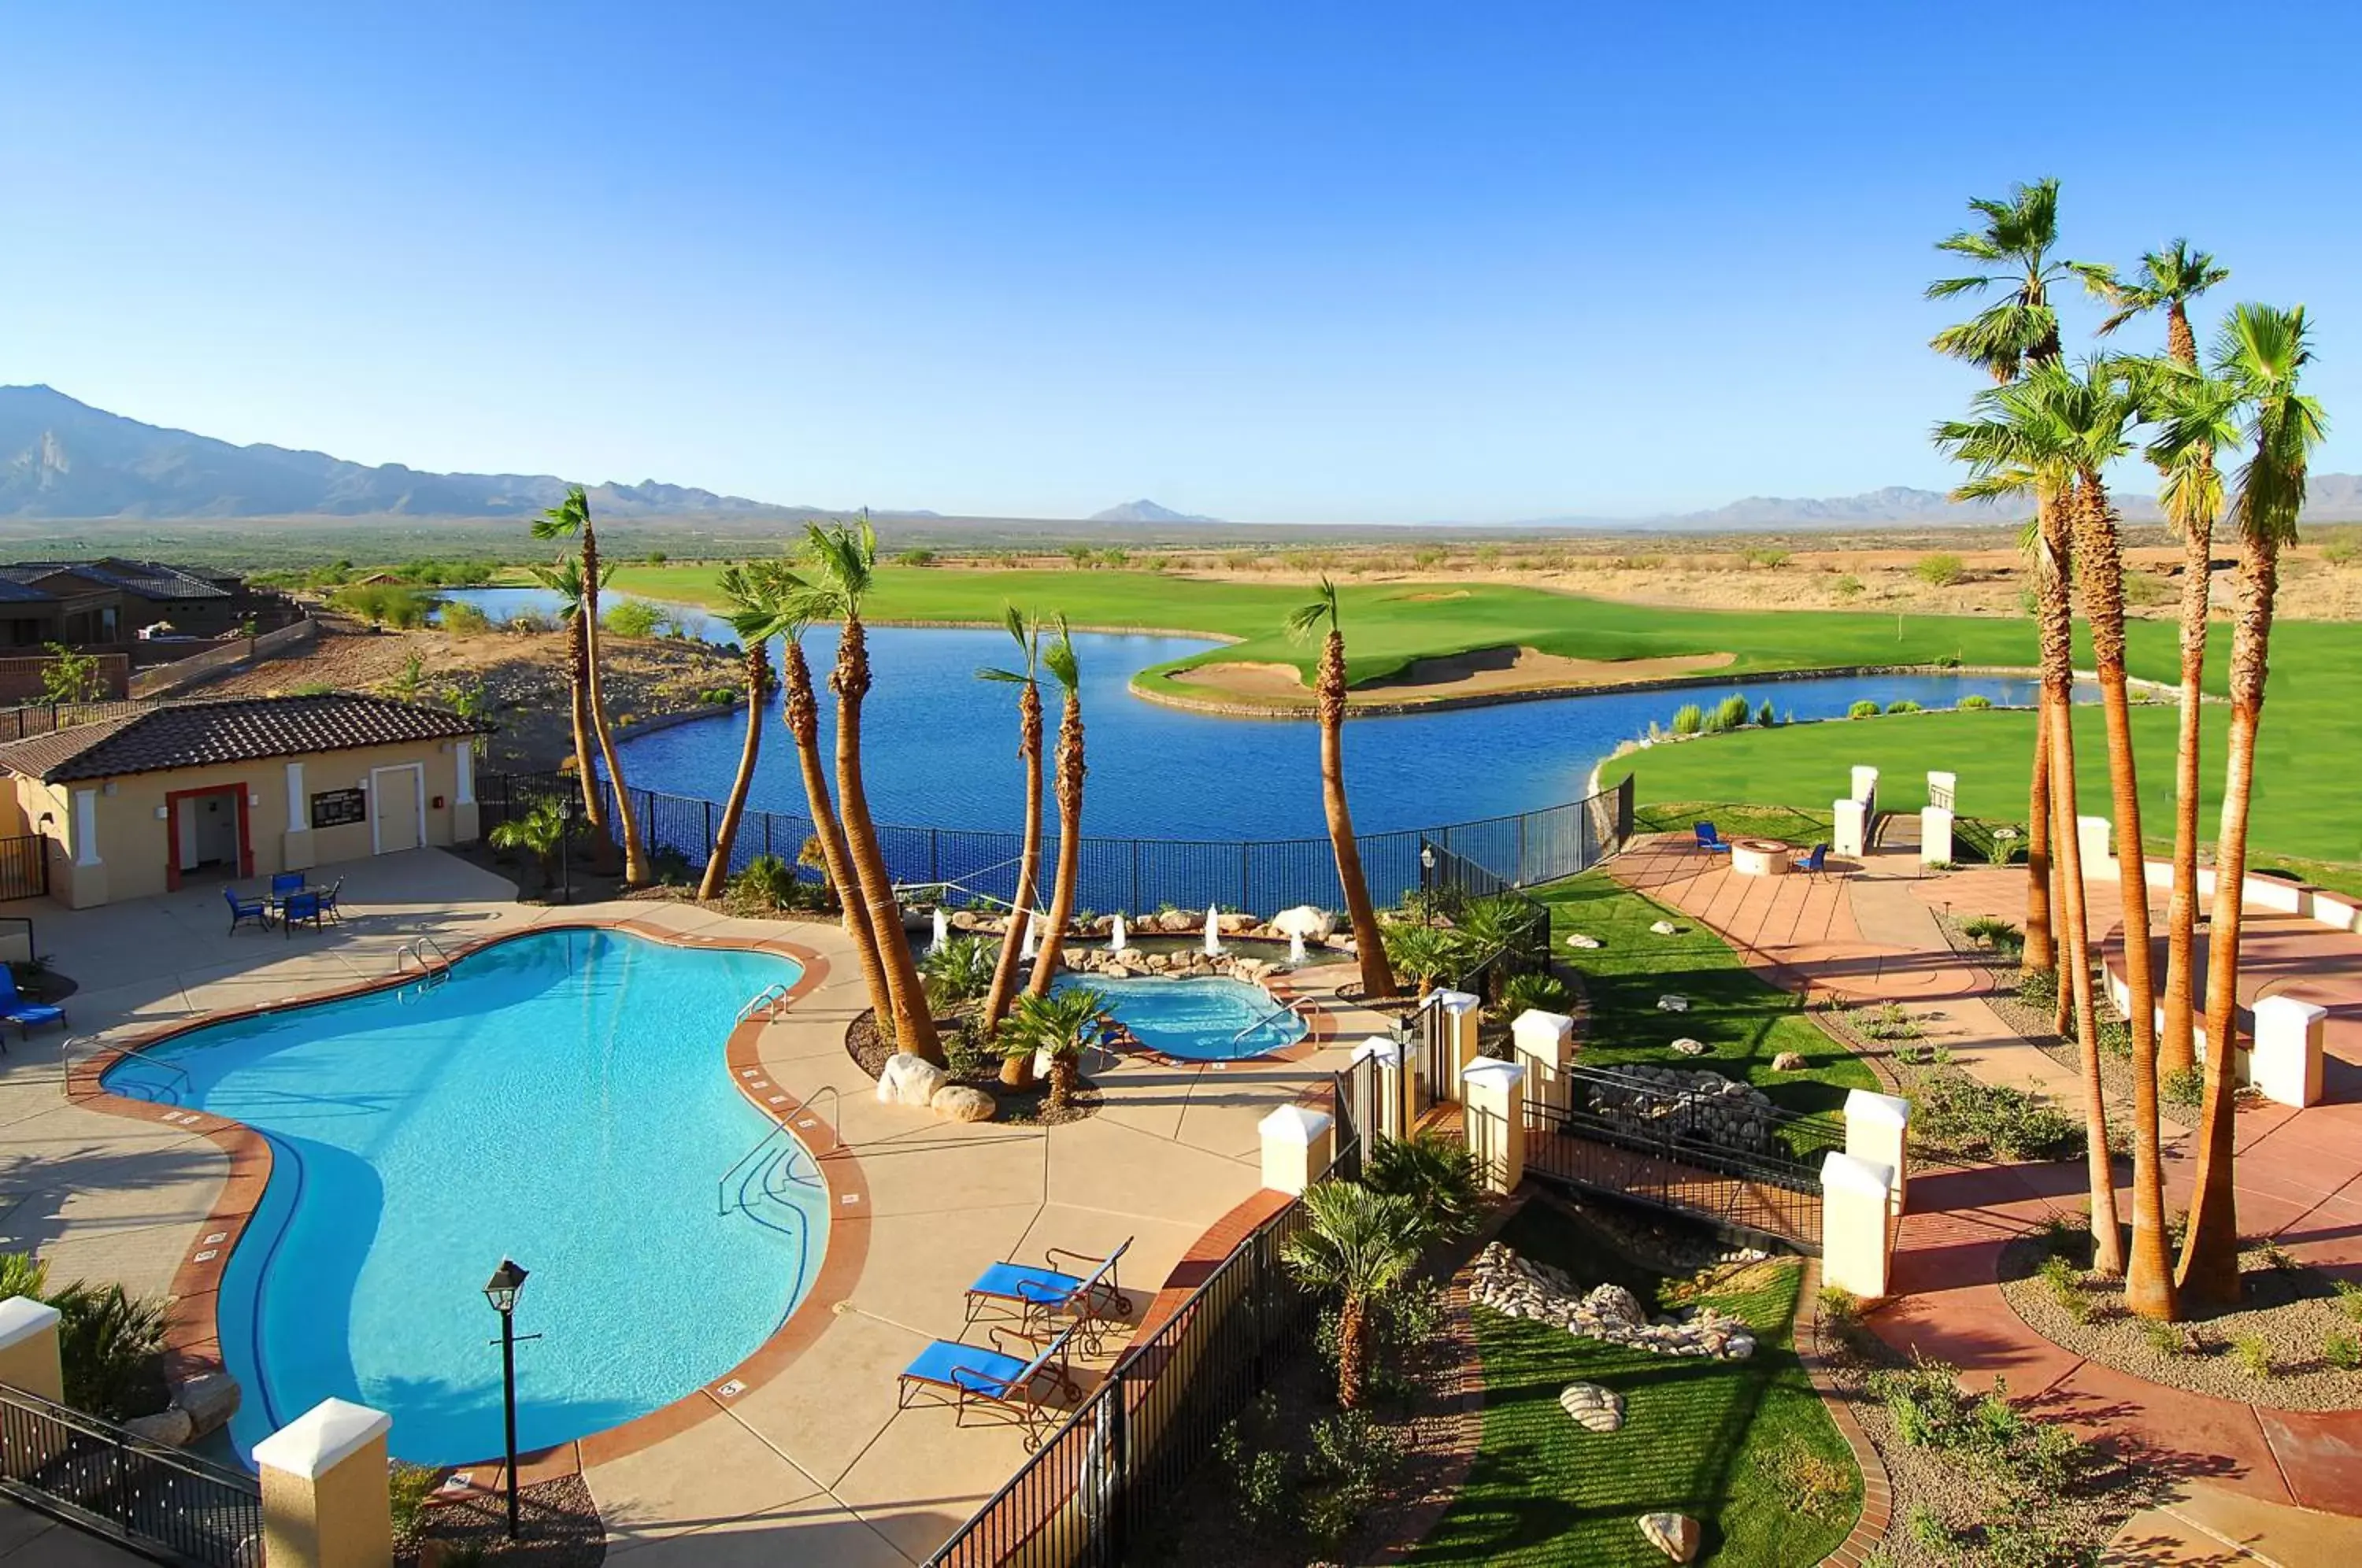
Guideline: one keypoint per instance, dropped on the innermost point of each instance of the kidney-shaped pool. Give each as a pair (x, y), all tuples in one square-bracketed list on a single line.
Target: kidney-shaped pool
[(562, 1099)]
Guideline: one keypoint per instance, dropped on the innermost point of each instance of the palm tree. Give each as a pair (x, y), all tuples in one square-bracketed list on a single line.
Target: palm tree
[(802, 711), (1360, 1244), (570, 519), (2262, 353), (1060, 1025), (2191, 496), (2017, 447), (757, 611), (1369, 945), (540, 832), (1026, 630), (2012, 248), (1059, 659), (842, 562), (564, 578)]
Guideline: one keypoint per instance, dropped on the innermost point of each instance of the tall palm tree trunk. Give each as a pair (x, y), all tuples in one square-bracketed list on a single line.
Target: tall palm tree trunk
[(1369, 943), (758, 683), (2041, 952), (803, 725), (2149, 1275), (1016, 1071), (913, 1016), (586, 778), (1071, 771), (635, 853), (2075, 952), (2210, 1257), (2177, 1048)]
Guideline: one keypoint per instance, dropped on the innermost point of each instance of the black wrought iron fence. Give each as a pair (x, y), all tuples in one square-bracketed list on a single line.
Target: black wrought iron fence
[(1102, 1480), (162, 1501), (1139, 875), (1512, 931)]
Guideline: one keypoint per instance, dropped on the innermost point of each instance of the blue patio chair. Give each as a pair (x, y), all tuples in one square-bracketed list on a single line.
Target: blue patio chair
[(244, 910), (1708, 840), (16, 1009), (1091, 1296), (328, 900), (284, 883), (1005, 1386), (1817, 862), (299, 905)]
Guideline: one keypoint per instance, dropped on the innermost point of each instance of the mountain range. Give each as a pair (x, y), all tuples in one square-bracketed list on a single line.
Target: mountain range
[(60, 458)]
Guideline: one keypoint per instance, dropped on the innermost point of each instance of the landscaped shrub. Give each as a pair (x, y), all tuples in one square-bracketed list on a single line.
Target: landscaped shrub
[(1847, 587), (2183, 1087), (1533, 991), (1765, 718), (1904, 705), (1689, 719), (2065, 1283), (1436, 1172), (767, 882), (1865, 709), (2349, 1299), (1351, 1455), (632, 618), (2254, 1354), (1887, 1021), (959, 969), (1975, 702), (1939, 570), (1957, 1114), (2343, 1351), (1730, 713), (407, 1487), (2038, 987), (111, 1342), (1992, 931), (1426, 954), (1428, 905)]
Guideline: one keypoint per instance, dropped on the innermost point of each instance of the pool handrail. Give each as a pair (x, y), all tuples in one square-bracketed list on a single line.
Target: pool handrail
[(1284, 1006), (417, 947), (771, 997), (66, 1052), (835, 1142)]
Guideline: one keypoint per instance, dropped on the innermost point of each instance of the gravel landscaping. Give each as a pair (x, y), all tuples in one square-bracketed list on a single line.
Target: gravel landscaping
[(2276, 1351)]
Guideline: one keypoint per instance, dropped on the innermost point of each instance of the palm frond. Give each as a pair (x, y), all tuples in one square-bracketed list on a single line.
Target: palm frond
[(1060, 660), (1308, 618)]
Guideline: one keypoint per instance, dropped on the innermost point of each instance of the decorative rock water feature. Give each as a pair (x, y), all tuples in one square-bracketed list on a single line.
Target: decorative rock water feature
[(1522, 1288), (1702, 1107)]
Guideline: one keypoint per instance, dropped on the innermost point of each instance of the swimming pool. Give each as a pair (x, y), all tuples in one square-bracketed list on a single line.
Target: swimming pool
[(1200, 1019), (562, 1099)]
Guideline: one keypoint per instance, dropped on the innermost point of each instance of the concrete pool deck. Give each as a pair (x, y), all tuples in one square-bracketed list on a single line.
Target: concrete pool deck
[(818, 1453)]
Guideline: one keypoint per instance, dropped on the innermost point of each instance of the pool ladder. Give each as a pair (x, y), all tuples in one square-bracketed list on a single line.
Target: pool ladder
[(767, 1001), (418, 947), (1291, 1005), (807, 1115)]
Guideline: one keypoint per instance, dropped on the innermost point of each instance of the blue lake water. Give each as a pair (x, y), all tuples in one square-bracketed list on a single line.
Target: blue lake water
[(563, 1099), (941, 745)]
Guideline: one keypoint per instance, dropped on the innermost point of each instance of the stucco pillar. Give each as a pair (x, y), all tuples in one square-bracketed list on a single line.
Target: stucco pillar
[(1457, 1009), (1849, 831), (88, 886), (295, 850), (1544, 1044), (2091, 837), (1855, 1197), (324, 1502), (1297, 1145), (1393, 1116), (466, 818), (1934, 836), (30, 1361), (2285, 1066), (1492, 1111), (1878, 1130), (1865, 784)]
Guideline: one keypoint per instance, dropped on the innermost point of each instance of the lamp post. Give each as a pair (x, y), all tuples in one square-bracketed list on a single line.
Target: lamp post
[(500, 1290), (1426, 890), (567, 808)]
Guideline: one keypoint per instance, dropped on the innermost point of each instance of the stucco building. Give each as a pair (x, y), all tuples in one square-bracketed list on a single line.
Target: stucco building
[(142, 802)]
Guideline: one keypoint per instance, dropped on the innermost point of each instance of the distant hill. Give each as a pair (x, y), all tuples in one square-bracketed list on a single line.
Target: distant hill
[(60, 458), (1146, 511)]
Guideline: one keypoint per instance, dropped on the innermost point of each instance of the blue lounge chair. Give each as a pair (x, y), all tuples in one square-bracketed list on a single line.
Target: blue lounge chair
[(971, 1378), (1815, 863), (1091, 1297), (1709, 840), (244, 910), (16, 1009), (299, 905)]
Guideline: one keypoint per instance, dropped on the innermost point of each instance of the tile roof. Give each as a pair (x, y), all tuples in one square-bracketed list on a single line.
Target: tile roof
[(209, 733), (15, 592), (150, 579)]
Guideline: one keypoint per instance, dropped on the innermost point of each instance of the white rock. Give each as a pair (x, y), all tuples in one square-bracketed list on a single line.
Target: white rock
[(1579, 940), (908, 1080), (1664, 928), (1307, 921), (1690, 1047), (960, 1102), (1675, 1535), (1593, 1408), (1788, 1062), (1673, 1004)]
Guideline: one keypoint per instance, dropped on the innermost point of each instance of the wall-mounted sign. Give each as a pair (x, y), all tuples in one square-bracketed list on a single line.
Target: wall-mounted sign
[(336, 807)]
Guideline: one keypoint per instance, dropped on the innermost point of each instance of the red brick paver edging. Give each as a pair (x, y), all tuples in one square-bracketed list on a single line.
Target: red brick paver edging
[(192, 1343), (1877, 1490)]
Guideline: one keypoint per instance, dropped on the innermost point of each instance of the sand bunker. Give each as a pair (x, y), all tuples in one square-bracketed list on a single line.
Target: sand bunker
[(1476, 673)]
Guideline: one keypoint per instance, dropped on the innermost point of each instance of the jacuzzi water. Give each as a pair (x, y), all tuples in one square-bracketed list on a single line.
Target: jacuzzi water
[(1202, 1019), (562, 1099)]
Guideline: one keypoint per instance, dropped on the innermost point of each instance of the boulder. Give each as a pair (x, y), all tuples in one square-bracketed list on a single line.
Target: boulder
[(959, 1103), (1614, 1304), (1673, 1004), (1595, 1409), (1579, 940), (1675, 1535), (1664, 928), (168, 1428), (908, 1080), (1174, 921), (1788, 1062), (211, 1398), (1690, 1047), (1233, 925), (1306, 920)]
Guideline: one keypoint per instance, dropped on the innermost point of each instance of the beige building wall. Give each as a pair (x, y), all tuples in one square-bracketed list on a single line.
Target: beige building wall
[(136, 837)]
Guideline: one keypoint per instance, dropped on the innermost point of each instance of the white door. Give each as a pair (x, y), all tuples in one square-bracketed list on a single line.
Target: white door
[(397, 808)]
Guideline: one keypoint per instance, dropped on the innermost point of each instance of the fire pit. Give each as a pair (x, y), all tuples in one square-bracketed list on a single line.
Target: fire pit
[(1760, 856)]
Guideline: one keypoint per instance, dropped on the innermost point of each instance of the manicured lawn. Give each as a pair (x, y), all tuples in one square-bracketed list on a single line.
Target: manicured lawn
[(1698, 1436), (1743, 1022)]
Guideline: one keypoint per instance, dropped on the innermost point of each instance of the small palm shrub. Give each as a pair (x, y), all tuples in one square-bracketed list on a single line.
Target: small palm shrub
[(1533, 991), (2254, 1354), (1487, 925), (110, 1341), (959, 970), (1426, 954), (540, 832), (766, 882), (1435, 1172), (1360, 1246), (1060, 1026)]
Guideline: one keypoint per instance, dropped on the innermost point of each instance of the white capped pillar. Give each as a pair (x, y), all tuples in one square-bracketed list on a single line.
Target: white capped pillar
[(1849, 831), (295, 850), (1492, 1112), (2091, 839), (324, 1499), (1394, 1097), (1457, 1011), (1878, 1131), (1544, 1044), (2285, 1066), (1856, 1199), (1865, 784), (1297, 1145)]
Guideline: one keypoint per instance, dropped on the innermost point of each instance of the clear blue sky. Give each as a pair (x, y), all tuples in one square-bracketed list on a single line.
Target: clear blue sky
[(1275, 262)]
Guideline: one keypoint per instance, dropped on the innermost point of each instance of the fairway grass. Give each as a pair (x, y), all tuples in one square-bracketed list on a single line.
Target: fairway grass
[(1703, 1438)]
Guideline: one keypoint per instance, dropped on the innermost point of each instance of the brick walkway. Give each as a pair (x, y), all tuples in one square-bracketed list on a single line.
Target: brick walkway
[(2259, 1484)]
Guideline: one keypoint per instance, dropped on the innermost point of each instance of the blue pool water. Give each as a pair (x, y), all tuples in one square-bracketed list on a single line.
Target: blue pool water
[(563, 1098), (1205, 1019)]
